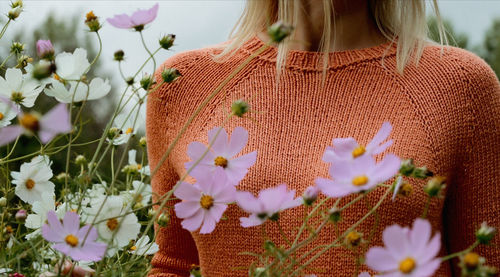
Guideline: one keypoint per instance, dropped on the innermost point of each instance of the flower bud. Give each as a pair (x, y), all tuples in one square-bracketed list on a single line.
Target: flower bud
[(16, 274), (43, 70), (407, 167), (279, 31), (239, 108), (310, 195), (434, 186), (334, 215), (195, 271), (405, 189), (151, 212), (142, 142), (92, 22), (80, 160), (44, 49), (422, 173), (118, 56), (15, 12), (3, 201), (130, 80), (23, 61), (167, 41), (170, 74), (353, 239), (17, 47), (21, 215), (147, 81), (113, 133), (471, 260), (163, 219), (17, 3), (485, 233), (61, 177), (8, 229)]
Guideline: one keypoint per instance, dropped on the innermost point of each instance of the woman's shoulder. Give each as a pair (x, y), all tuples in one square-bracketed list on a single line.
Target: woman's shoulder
[(456, 64)]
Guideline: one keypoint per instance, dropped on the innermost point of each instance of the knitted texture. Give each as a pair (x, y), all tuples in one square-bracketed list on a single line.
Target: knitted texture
[(445, 113)]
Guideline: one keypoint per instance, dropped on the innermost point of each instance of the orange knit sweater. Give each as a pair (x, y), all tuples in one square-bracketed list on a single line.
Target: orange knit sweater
[(445, 114)]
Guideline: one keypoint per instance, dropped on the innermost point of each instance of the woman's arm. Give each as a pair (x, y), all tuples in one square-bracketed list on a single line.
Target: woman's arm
[(474, 196), (177, 249)]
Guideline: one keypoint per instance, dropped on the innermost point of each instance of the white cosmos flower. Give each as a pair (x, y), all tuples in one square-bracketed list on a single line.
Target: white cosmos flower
[(125, 123), (39, 217), (7, 113), (72, 66), (33, 179), (132, 163), (109, 219), (141, 190), (19, 88), (143, 247), (97, 88)]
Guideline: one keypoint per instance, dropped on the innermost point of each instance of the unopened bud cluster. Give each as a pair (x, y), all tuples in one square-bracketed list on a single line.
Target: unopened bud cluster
[(170, 74), (92, 22), (279, 31), (409, 169)]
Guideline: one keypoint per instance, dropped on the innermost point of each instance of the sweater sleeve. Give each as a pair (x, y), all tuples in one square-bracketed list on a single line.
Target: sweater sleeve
[(177, 250), (474, 196)]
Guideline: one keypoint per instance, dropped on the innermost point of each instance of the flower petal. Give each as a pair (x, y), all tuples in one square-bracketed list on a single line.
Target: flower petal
[(381, 135), (187, 191), (71, 222), (380, 259), (251, 221), (187, 208), (194, 222), (220, 145), (396, 241), (239, 138)]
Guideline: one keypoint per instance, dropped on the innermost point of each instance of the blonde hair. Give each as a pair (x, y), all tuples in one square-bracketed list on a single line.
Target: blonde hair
[(401, 19)]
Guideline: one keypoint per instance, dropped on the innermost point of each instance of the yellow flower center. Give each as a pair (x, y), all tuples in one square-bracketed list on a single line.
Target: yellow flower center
[(30, 122), (139, 166), (112, 224), (71, 240), (471, 260), (1, 116), (360, 180), (90, 16), (30, 184), (407, 265), (133, 248), (220, 161), (138, 198), (206, 201), (358, 151), (353, 238), (129, 130)]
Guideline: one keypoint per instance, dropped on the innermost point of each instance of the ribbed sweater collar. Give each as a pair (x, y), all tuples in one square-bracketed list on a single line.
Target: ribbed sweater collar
[(310, 60)]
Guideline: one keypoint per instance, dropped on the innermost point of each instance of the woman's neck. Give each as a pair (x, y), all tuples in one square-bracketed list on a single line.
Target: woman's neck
[(353, 28)]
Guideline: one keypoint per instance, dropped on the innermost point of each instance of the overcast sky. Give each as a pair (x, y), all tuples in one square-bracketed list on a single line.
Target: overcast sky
[(205, 22)]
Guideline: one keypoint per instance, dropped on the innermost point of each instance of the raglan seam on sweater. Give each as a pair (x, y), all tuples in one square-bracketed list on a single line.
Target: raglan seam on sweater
[(419, 111)]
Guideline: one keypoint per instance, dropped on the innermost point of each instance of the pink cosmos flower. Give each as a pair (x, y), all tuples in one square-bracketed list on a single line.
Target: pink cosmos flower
[(310, 194), (137, 20), (407, 253), (361, 174), (364, 274), (44, 48), (204, 202), (349, 149), (270, 202), (55, 121), (70, 239), (221, 155)]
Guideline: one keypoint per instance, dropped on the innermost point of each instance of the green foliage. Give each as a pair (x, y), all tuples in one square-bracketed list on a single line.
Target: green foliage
[(454, 38), (491, 46)]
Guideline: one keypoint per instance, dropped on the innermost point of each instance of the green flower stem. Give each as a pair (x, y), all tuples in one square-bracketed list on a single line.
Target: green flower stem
[(458, 254), (427, 205), (6, 59), (283, 233), (144, 64), (313, 211), (147, 50), (5, 28), (354, 226)]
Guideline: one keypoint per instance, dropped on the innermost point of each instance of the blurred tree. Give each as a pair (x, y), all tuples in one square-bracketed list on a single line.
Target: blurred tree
[(454, 38), (491, 46)]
